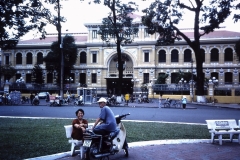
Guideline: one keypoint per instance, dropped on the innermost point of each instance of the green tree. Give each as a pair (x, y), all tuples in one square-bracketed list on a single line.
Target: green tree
[(163, 18), (18, 17), (53, 58), (118, 26), (237, 49), (8, 71), (162, 79), (37, 75)]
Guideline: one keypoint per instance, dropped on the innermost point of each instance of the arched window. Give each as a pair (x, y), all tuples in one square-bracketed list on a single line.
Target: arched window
[(83, 58), (174, 55), (203, 54), (187, 55), (19, 58), (214, 55), (39, 58), (228, 54), (228, 78), (29, 58), (161, 56)]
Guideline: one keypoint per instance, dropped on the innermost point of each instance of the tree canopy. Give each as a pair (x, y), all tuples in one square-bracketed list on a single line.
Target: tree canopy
[(118, 28), (162, 79), (163, 18), (37, 74), (8, 71), (19, 17), (53, 58)]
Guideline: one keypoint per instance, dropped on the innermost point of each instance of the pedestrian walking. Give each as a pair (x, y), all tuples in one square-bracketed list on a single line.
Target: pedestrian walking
[(184, 102), (31, 98), (127, 96)]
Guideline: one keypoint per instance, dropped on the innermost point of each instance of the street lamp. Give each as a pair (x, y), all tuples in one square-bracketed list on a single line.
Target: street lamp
[(38, 5), (134, 80), (69, 82), (19, 82), (192, 79), (182, 83), (214, 82), (152, 84)]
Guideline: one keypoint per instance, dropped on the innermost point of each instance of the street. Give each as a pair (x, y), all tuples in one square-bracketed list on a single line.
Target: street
[(148, 112)]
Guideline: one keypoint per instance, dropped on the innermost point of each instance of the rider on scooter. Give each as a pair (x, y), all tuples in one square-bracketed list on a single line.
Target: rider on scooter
[(80, 100), (107, 119)]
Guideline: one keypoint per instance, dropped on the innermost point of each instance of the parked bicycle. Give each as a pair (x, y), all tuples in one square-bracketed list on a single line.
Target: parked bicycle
[(177, 104), (210, 100), (172, 103)]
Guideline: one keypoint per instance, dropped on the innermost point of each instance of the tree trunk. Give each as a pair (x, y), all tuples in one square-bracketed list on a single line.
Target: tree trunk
[(120, 69), (199, 67)]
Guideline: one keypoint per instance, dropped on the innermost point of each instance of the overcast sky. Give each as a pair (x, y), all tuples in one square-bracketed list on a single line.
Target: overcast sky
[(79, 12)]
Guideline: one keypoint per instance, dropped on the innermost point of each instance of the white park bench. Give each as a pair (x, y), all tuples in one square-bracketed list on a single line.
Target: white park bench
[(75, 142), (223, 126)]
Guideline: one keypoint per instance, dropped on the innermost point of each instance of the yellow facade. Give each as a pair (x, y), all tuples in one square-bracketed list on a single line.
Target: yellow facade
[(142, 60)]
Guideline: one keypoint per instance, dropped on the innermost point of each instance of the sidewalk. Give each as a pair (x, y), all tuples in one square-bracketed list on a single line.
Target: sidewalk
[(190, 105), (169, 150)]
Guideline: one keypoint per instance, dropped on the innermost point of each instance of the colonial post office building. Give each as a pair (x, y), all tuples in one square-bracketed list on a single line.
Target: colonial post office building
[(96, 65)]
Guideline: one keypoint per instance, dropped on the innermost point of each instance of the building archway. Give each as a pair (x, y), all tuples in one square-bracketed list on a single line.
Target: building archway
[(113, 75)]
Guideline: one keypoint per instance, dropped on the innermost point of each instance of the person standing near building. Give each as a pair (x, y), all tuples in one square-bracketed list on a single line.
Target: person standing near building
[(127, 96), (184, 102), (31, 98)]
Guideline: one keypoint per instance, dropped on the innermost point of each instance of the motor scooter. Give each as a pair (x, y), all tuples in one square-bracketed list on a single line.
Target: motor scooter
[(77, 102), (100, 147), (36, 101)]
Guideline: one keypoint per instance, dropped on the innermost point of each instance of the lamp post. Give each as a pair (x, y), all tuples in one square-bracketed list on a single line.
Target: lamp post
[(182, 82), (192, 79), (134, 80), (38, 5), (20, 81), (213, 81), (69, 82), (152, 84)]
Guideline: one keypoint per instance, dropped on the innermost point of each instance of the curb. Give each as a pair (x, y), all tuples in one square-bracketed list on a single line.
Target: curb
[(135, 144), (131, 145)]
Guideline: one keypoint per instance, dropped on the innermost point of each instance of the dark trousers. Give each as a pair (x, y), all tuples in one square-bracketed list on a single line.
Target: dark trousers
[(184, 106)]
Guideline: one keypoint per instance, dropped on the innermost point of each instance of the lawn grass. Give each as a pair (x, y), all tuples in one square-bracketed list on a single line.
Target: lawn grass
[(28, 138)]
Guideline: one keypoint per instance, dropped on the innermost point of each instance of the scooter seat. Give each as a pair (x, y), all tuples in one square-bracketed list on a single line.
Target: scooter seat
[(113, 134)]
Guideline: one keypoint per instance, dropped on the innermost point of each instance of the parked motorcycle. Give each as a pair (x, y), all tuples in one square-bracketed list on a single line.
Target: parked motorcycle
[(24, 99), (78, 102), (36, 101), (102, 146)]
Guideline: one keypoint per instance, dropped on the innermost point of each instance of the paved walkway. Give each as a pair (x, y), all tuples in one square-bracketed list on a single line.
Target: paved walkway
[(171, 149)]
